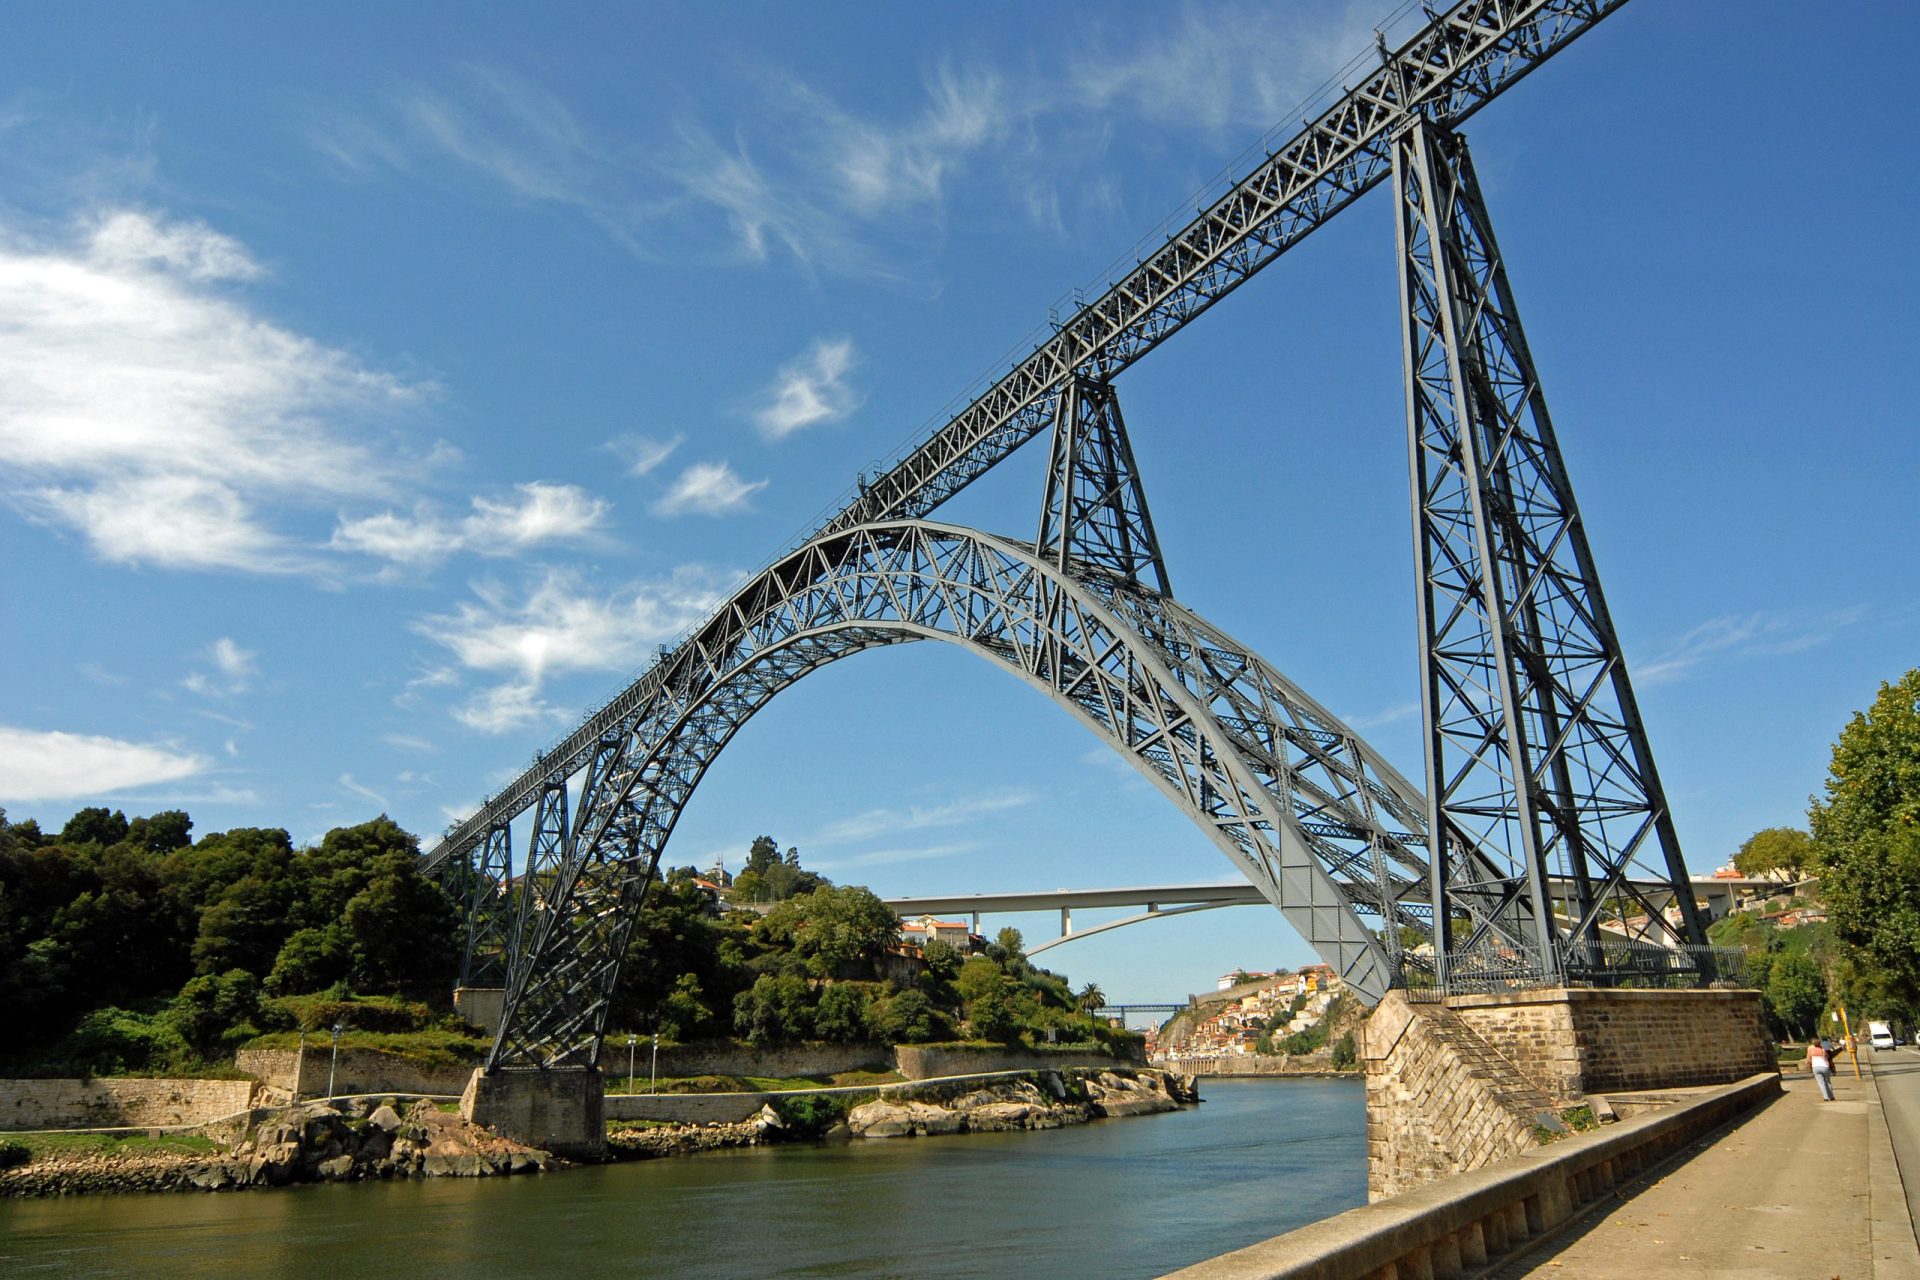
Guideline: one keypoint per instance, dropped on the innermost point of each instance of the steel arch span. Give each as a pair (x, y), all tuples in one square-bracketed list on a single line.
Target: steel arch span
[(1328, 831)]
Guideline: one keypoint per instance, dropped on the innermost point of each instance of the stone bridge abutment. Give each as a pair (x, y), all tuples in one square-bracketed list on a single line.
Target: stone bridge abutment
[(1459, 1082)]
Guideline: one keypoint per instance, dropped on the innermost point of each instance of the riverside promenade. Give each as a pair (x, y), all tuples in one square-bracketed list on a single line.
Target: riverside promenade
[(1795, 1187), (1799, 1188)]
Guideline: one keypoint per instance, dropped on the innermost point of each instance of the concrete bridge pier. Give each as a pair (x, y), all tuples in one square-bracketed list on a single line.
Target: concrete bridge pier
[(562, 1110)]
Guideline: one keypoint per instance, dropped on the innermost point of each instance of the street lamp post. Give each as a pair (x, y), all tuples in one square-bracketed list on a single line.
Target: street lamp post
[(653, 1082), (338, 1027), (631, 1041)]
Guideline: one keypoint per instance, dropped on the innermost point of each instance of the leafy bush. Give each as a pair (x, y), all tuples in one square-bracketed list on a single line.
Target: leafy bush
[(1345, 1053), (808, 1115), (386, 1014), (842, 1014), (13, 1153)]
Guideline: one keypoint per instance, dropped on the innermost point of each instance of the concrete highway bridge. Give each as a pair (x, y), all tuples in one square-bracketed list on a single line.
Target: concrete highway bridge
[(1716, 896)]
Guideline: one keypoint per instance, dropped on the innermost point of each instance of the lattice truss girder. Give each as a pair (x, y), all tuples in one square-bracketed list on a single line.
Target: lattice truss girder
[(1535, 748), (1327, 830), (1463, 58)]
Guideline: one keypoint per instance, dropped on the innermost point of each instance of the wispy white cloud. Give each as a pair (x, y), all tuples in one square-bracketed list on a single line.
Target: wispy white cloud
[(708, 489), (1743, 635), (348, 784), (643, 453), (37, 765), (100, 675), (1218, 66), (811, 390), (771, 168), (149, 409), (1392, 714), (233, 671), (504, 708), (558, 627), (886, 821), (539, 512), (892, 856), (409, 742)]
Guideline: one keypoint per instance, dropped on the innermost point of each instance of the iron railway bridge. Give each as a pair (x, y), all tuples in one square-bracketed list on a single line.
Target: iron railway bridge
[(1539, 814)]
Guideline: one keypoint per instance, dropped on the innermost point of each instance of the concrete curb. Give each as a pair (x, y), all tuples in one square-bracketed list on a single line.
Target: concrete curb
[(1890, 1236), (1470, 1219)]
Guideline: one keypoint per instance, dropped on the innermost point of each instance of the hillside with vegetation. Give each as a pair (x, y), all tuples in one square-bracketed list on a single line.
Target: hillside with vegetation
[(127, 947)]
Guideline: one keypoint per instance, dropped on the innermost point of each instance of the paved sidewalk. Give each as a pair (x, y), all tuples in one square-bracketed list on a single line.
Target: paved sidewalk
[(1801, 1188)]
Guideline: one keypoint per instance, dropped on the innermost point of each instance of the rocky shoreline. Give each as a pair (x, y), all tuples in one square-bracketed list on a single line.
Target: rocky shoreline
[(1048, 1101), (372, 1141), (317, 1142)]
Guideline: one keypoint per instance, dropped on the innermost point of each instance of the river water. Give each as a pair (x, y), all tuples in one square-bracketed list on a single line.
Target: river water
[(1132, 1197)]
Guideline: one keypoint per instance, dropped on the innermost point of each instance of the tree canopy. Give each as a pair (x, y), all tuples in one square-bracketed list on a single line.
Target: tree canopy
[(1788, 850), (125, 944), (1867, 831)]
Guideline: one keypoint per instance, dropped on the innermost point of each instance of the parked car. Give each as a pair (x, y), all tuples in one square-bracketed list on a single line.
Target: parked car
[(1880, 1036)]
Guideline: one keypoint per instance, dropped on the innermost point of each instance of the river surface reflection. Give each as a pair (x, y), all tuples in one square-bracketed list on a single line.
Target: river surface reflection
[(1133, 1197)]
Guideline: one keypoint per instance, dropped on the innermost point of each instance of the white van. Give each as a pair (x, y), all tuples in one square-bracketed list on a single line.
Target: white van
[(1879, 1035)]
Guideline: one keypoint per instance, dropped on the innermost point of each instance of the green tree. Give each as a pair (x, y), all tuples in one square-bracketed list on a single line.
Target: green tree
[(1009, 948), (95, 826), (993, 1014), (831, 928), (1867, 830), (943, 960), (1796, 993), (212, 1006), (401, 932), (1783, 849), (311, 960), (776, 1009), (909, 1018), (162, 832), (1091, 999), (841, 1015)]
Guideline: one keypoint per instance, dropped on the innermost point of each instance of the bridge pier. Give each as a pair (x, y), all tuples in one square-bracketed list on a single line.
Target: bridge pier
[(1457, 1083), (562, 1110)]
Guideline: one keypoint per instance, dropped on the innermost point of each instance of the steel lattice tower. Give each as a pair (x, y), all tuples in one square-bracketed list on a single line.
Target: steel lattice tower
[(1534, 745)]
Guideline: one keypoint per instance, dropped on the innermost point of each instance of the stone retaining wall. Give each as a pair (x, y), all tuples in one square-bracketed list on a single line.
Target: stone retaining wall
[(1440, 1099), (119, 1103), (1577, 1041), (1463, 1223), (726, 1058), (359, 1071), (1455, 1084), (923, 1061), (685, 1108)]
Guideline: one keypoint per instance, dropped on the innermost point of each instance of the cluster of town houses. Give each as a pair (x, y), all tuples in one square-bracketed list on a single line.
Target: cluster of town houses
[(1235, 1027)]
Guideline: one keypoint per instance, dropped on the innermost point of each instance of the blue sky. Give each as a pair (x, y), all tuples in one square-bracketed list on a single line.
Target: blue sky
[(378, 389)]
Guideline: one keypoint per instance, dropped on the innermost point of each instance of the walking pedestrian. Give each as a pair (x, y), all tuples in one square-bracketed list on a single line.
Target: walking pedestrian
[(1820, 1062)]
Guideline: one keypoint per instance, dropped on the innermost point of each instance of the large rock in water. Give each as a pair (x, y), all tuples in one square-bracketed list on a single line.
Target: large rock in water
[(1117, 1095), (883, 1119)]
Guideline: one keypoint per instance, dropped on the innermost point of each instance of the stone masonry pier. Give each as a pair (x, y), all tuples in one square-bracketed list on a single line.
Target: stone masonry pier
[(562, 1111), (1456, 1084)]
